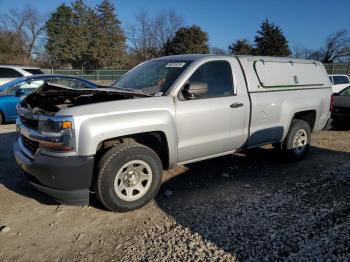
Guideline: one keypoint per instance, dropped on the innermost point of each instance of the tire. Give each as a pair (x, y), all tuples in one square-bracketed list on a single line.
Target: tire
[(297, 142), (1, 119), (129, 175)]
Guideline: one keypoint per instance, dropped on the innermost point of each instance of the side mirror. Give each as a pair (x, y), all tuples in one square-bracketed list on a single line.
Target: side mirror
[(19, 92), (195, 89)]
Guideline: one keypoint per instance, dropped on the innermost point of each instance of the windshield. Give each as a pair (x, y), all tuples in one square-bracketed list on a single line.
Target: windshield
[(153, 77)]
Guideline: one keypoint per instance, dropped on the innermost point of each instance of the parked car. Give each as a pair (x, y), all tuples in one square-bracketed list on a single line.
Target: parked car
[(11, 72), (339, 82), (13, 92), (168, 111), (341, 109)]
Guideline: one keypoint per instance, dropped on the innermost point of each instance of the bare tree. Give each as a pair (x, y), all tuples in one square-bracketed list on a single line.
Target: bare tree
[(217, 51), (33, 29), (299, 51), (149, 35), (164, 28), (337, 47), (141, 37), (11, 48), (26, 25)]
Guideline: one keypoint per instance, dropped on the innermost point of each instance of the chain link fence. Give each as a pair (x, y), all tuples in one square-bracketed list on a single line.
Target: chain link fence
[(103, 77), (338, 68)]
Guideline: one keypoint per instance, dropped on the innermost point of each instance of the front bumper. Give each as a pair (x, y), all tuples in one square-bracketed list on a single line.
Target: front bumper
[(67, 179)]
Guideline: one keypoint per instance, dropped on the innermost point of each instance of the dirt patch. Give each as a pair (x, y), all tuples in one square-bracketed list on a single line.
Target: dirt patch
[(251, 206)]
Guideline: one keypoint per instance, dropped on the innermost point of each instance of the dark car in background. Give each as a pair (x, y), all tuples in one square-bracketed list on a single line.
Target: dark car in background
[(341, 109), (13, 92)]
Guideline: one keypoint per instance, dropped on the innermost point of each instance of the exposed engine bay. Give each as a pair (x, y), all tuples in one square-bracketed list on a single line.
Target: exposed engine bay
[(50, 98)]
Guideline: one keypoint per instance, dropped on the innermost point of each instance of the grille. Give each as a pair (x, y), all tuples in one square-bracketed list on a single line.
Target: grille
[(31, 145), (32, 123)]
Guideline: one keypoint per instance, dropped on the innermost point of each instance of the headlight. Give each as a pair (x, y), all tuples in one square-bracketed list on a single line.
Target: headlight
[(53, 126), (58, 134)]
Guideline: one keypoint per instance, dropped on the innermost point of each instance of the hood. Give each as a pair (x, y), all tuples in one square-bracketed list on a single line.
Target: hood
[(50, 98)]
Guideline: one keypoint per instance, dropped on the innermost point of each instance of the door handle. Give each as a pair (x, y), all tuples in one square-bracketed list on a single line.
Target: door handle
[(236, 105)]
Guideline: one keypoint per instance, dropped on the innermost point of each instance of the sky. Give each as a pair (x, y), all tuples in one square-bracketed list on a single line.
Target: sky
[(305, 23)]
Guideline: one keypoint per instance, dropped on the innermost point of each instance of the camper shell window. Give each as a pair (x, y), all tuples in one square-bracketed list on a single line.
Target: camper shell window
[(287, 74)]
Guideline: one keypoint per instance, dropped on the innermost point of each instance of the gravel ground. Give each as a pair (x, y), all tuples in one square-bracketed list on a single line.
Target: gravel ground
[(253, 206)]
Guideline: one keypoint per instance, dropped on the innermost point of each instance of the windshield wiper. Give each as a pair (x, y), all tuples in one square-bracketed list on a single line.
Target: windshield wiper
[(130, 89)]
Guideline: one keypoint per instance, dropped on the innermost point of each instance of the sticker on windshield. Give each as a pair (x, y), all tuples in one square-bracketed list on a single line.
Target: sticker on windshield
[(175, 64)]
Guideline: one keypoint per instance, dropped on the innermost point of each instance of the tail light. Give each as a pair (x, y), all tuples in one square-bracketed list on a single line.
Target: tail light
[(331, 106)]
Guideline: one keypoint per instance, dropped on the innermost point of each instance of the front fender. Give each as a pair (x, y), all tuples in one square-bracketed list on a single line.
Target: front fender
[(94, 130)]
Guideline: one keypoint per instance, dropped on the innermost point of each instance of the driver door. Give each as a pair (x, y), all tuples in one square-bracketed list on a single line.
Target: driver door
[(211, 124)]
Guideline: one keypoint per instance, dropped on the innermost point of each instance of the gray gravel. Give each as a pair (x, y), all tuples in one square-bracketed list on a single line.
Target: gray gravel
[(285, 225), (254, 206), (4, 229)]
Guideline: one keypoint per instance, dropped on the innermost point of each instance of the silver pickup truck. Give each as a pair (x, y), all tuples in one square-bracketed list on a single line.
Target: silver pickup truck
[(116, 141)]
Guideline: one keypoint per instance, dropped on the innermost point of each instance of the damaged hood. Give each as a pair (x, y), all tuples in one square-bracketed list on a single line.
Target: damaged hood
[(50, 98)]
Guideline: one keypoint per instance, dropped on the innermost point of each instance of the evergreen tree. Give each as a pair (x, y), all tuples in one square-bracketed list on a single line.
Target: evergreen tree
[(110, 40), (85, 22), (188, 40), (241, 47), (59, 30), (71, 33), (270, 41)]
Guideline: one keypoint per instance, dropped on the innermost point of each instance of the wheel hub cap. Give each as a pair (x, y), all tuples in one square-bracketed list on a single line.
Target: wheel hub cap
[(133, 180), (300, 141)]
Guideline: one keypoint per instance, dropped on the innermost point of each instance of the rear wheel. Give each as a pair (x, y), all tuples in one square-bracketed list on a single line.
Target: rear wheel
[(1, 119), (129, 176), (298, 139)]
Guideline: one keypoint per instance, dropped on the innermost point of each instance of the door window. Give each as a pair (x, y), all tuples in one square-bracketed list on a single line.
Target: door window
[(9, 73), (218, 76), (68, 82), (339, 80), (26, 87)]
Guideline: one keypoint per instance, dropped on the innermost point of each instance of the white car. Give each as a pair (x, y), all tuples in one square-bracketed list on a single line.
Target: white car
[(11, 72), (339, 82)]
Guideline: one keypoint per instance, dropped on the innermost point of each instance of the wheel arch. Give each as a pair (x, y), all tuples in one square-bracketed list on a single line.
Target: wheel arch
[(156, 140), (308, 116)]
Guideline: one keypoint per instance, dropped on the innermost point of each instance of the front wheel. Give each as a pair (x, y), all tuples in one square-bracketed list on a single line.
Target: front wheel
[(298, 139), (129, 176)]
